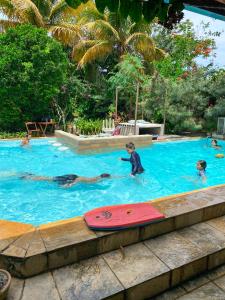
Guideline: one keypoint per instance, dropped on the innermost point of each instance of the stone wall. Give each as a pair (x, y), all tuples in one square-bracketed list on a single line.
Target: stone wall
[(84, 145)]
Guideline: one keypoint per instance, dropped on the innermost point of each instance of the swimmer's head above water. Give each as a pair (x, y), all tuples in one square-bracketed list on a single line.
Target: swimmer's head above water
[(201, 165), (130, 147)]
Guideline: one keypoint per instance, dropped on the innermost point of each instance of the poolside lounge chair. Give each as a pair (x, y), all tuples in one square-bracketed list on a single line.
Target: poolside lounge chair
[(32, 128)]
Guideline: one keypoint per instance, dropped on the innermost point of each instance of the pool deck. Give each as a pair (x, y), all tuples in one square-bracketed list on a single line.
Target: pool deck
[(153, 265), (26, 250)]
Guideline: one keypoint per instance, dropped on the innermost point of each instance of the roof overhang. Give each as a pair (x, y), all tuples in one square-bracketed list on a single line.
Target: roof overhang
[(210, 8)]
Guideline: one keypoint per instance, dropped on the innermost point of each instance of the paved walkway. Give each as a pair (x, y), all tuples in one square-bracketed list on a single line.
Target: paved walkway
[(210, 286), (141, 270)]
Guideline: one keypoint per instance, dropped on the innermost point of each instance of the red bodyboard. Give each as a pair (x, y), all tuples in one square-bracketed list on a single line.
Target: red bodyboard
[(122, 216)]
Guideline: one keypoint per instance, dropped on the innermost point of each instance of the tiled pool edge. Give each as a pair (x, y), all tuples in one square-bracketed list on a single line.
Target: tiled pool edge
[(26, 250)]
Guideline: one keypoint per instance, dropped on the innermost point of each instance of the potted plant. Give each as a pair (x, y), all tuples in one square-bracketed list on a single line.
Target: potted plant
[(5, 281)]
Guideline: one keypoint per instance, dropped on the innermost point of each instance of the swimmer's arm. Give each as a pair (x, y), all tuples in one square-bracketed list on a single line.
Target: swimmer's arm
[(124, 159)]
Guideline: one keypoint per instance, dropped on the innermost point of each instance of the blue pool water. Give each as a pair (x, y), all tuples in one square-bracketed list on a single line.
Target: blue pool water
[(166, 165)]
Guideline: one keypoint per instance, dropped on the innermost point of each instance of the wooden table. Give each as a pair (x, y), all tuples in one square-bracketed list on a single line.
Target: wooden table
[(44, 125)]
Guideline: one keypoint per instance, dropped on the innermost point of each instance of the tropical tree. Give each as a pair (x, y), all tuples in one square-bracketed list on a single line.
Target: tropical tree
[(108, 35), (33, 67), (184, 47), (54, 15), (128, 73)]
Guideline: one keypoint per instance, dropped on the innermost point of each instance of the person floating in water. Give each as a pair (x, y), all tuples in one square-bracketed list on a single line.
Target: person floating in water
[(214, 144), (25, 141), (201, 167), (134, 160), (66, 180)]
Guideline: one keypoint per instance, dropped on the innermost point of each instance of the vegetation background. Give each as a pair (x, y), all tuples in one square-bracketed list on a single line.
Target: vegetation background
[(65, 62)]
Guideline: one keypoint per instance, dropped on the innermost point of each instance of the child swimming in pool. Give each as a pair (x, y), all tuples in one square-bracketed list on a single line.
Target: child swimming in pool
[(214, 144), (134, 160), (201, 167), (66, 180), (25, 141)]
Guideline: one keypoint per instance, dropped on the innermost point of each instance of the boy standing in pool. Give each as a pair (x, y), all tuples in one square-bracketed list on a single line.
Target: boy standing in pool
[(134, 160)]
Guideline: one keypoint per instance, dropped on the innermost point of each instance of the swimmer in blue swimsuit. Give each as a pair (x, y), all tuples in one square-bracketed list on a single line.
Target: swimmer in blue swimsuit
[(66, 180), (201, 167), (134, 160)]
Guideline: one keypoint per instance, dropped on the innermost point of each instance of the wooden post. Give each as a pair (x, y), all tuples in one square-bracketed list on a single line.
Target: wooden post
[(165, 110), (136, 108), (117, 90)]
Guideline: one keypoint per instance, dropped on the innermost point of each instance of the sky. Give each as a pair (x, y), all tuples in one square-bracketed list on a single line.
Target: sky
[(215, 25)]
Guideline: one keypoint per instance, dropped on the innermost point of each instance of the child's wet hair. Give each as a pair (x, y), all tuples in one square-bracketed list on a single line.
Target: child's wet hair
[(203, 164), (105, 175), (130, 146), (215, 141)]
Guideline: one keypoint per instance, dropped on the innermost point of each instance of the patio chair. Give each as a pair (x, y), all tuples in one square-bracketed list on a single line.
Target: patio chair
[(32, 128), (108, 126)]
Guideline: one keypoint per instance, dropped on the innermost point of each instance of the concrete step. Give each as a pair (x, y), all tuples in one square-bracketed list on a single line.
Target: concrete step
[(135, 272), (26, 250)]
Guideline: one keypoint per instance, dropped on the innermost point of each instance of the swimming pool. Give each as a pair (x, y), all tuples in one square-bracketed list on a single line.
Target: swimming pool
[(166, 165)]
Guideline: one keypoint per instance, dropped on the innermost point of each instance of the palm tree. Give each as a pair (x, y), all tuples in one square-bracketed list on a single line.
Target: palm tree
[(54, 15), (103, 35)]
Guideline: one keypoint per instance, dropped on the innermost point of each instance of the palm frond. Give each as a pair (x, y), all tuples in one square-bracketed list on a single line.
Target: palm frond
[(68, 34), (8, 8), (139, 37), (43, 6), (102, 30), (96, 52), (80, 49), (160, 54), (88, 13), (27, 12), (59, 11)]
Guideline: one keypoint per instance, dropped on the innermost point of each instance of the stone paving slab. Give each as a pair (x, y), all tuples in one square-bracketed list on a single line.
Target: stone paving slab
[(16, 289), (205, 237), (208, 291), (171, 294), (9, 229), (20, 246), (139, 270), (173, 249), (218, 223), (184, 258), (65, 233), (91, 279), (40, 287), (36, 245), (216, 276)]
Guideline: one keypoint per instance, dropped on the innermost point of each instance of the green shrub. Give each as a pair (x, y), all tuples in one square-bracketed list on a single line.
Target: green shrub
[(88, 127), (9, 135), (33, 66)]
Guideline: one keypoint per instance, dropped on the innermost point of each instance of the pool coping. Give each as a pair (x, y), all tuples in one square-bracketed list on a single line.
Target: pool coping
[(26, 250)]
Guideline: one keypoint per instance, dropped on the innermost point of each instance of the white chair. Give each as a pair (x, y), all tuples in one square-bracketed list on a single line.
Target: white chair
[(108, 126)]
